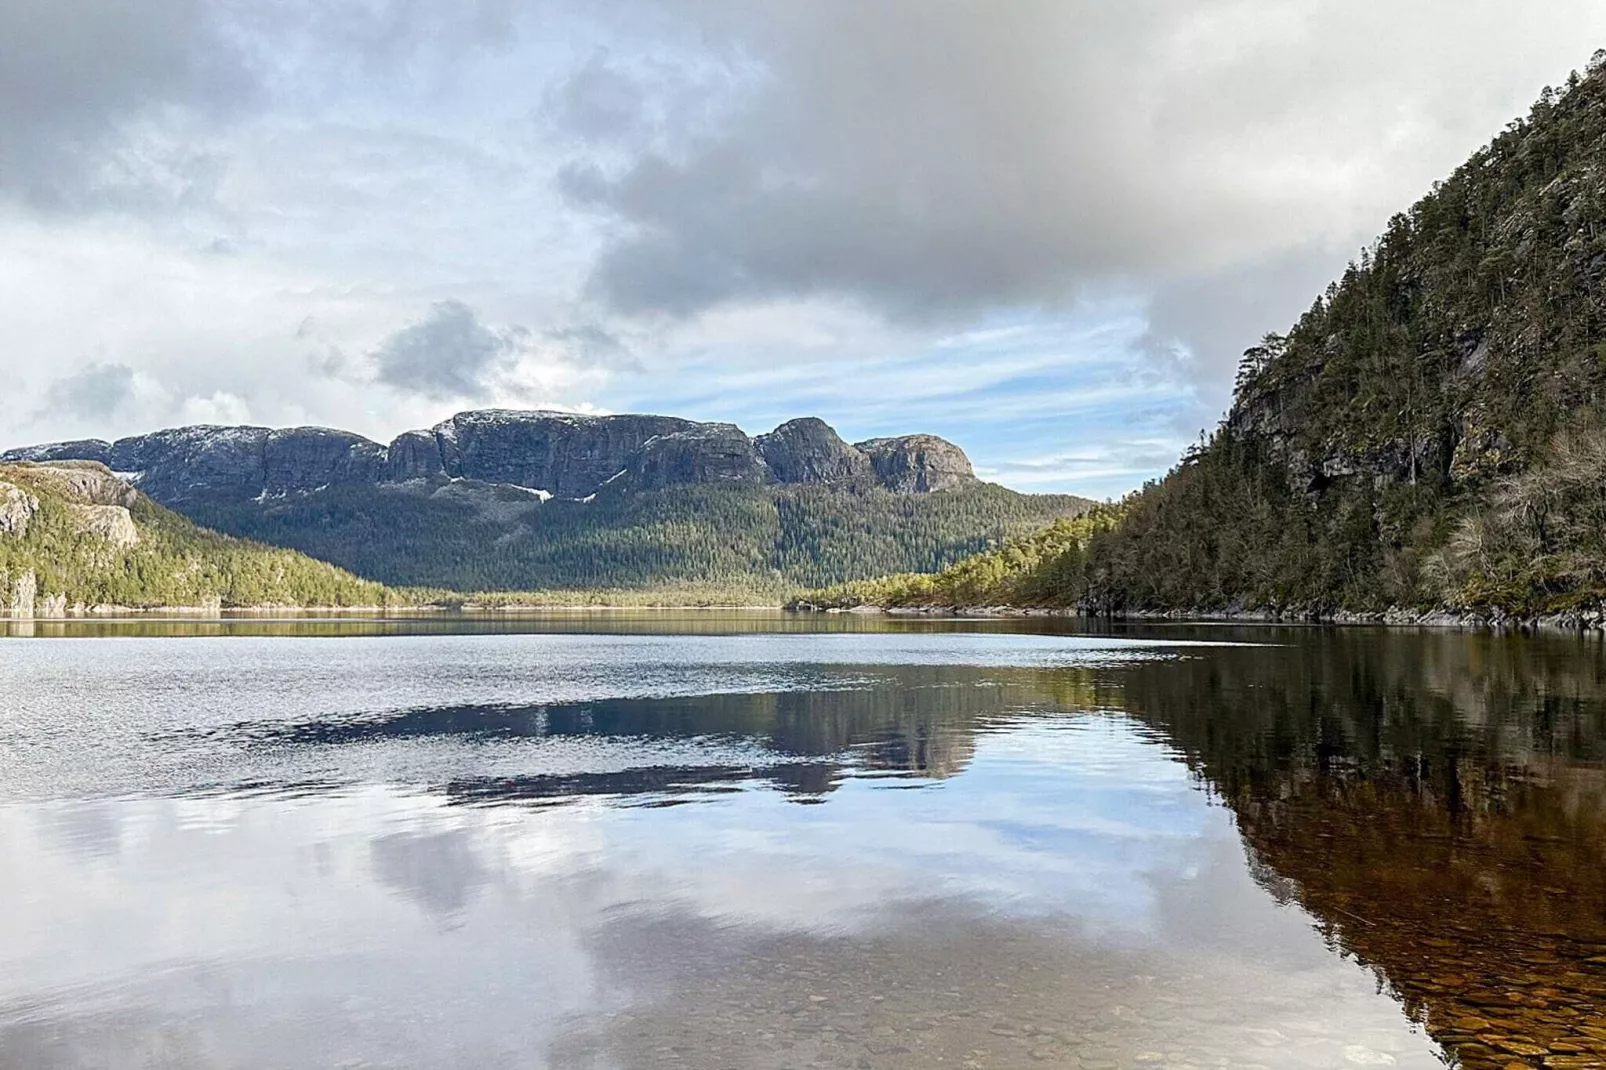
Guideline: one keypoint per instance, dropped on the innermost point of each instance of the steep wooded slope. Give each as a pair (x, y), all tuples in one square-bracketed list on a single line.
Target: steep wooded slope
[(74, 535), (1430, 430)]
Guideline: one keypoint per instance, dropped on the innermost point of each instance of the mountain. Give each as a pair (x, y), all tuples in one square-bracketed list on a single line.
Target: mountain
[(499, 499), (73, 535), (1430, 434)]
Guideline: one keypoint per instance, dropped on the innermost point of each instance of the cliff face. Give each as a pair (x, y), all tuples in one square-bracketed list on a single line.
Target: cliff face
[(498, 500), (809, 451), (560, 455), (700, 454), (918, 464), (566, 456)]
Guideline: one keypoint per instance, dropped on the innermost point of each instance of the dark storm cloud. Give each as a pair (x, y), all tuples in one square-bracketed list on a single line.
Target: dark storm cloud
[(449, 354), (96, 393)]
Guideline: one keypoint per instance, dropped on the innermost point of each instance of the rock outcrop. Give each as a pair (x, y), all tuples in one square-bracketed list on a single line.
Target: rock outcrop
[(809, 451), (561, 455), (918, 464), (705, 453), (194, 463), (84, 482), (17, 509), (566, 455), (414, 455), (25, 588), (113, 523), (99, 501), (299, 458)]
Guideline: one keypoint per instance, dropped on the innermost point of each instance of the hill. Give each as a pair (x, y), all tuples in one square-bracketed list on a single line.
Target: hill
[(497, 499), (72, 536), (1430, 431), (1430, 434), (1046, 568)]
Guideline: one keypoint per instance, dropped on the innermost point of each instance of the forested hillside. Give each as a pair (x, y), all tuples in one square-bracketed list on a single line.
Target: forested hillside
[(1431, 433), (1430, 430), (1046, 568), (742, 537), (72, 535)]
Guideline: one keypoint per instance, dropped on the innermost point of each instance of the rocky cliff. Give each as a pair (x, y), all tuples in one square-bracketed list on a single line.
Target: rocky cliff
[(809, 451), (558, 455), (918, 464)]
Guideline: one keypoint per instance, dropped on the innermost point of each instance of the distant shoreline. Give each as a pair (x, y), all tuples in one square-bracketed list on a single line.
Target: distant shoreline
[(1393, 618), (116, 613)]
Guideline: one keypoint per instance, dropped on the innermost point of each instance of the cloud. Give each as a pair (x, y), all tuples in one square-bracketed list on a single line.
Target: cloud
[(728, 210), (597, 103), (589, 345), (1119, 464), (219, 407), (96, 393), (449, 354), (105, 396), (81, 81), (1204, 322), (938, 161), (125, 106)]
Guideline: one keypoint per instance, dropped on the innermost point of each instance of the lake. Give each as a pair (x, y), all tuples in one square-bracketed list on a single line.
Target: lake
[(710, 840)]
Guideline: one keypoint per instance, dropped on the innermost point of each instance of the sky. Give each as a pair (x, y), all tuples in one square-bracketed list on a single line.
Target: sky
[(1044, 229)]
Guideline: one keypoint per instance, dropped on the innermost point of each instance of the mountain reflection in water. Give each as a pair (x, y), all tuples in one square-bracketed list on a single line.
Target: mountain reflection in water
[(1439, 803), (1331, 848)]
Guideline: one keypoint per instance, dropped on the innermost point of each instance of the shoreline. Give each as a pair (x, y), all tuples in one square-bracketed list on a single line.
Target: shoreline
[(1467, 620), (1471, 620), (156, 613)]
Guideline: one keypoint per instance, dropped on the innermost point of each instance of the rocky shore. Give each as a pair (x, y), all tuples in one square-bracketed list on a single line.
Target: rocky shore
[(1493, 620)]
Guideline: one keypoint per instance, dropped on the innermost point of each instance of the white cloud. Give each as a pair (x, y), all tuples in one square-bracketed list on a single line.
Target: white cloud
[(864, 212)]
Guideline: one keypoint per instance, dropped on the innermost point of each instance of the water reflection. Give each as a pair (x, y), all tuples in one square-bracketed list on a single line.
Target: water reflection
[(1443, 812), (437, 870), (1337, 849)]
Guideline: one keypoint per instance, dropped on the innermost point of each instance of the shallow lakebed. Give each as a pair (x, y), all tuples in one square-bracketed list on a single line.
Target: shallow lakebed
[(751, 840)]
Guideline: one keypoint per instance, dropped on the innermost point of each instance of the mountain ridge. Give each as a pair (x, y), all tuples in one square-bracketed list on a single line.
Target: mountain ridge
[(557, 454), (510, 500)]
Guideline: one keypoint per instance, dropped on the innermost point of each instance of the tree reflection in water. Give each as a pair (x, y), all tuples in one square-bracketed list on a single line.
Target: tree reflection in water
[(1438, 802)]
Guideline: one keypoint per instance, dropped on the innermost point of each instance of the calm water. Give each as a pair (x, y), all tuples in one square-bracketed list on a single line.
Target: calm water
[(617, 841)]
